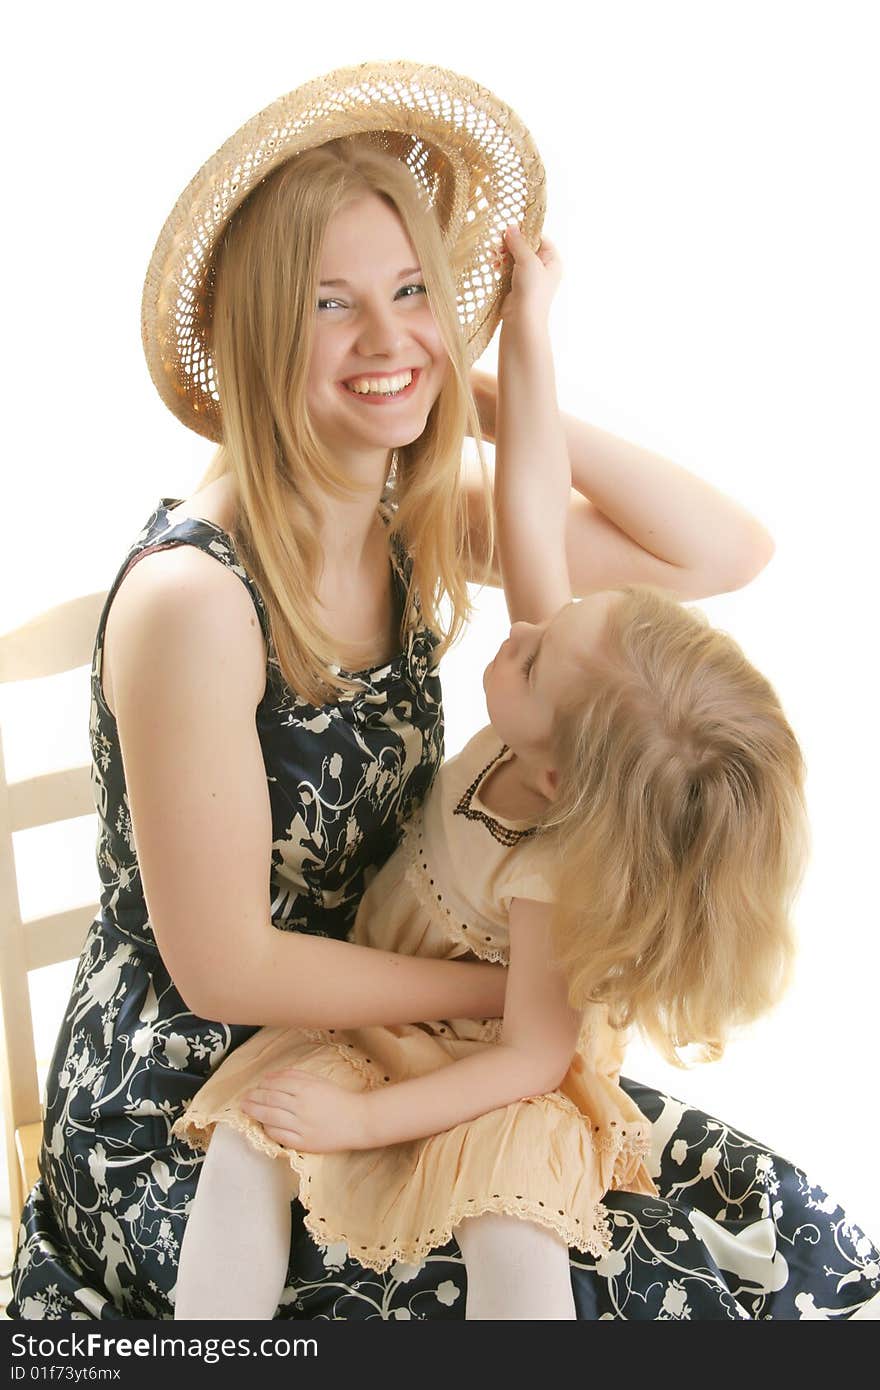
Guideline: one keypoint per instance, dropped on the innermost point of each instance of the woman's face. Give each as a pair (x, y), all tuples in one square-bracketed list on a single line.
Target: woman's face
[(374, 328)]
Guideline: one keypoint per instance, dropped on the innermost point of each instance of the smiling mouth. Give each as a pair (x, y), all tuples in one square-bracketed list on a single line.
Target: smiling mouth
[(371, 397)]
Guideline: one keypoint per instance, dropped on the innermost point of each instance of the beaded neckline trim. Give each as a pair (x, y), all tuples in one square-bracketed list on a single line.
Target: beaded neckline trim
[(504, 834)]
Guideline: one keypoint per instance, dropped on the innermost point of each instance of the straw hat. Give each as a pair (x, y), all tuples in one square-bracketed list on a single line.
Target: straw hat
[(472, 156)]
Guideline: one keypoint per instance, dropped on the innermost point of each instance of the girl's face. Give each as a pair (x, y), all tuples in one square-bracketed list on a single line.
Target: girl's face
[(374, 324), (535, 669)]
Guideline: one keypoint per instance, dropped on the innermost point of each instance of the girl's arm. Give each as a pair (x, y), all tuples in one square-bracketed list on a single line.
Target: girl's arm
[(532, 470), (633, 517), (189, 668), (538, 1040)]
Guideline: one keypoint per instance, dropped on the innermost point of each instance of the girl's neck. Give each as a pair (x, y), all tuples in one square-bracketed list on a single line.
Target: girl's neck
[(510, 791)]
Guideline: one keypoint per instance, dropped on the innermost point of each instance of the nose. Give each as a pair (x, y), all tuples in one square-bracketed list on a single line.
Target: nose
[(520, 630), (519, 633), (381, 332)]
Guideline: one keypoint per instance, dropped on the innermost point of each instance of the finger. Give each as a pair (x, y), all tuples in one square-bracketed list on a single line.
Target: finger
[(268, 1115), (281, 1099), (283, 1087), (514, 238), (519, 244), (287, 1138)]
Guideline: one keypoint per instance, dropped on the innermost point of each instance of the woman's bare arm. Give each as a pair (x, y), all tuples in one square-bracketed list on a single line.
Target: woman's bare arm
[(188, 673), (633, 516), (538, 1040)]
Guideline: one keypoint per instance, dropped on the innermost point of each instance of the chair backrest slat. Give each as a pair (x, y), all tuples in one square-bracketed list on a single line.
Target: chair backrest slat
[(58, 640), (52, 797), (48, 940)]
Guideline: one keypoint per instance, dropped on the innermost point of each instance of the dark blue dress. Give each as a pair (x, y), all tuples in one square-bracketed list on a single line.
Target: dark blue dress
[(737, 1233)]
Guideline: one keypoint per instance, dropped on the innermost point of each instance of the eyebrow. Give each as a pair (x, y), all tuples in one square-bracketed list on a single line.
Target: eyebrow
[(343, 284)]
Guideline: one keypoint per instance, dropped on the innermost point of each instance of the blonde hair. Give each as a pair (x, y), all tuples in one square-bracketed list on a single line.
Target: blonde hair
[(680, 830), (262, 297)]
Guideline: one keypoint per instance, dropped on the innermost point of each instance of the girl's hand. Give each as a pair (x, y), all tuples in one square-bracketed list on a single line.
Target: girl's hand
[(301, 1111), (535, 279)]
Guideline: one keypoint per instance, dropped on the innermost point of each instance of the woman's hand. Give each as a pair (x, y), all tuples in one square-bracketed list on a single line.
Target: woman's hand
[(301, 1111), (535, 279)]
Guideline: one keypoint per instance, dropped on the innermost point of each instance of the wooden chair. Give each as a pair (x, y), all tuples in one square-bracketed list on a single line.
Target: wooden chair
[(58, 640)]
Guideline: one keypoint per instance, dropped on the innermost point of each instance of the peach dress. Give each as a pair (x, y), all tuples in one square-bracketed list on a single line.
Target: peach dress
[(445, 893)]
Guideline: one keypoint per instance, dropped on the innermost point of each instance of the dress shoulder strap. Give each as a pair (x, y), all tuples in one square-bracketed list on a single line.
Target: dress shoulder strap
[(163, 533)]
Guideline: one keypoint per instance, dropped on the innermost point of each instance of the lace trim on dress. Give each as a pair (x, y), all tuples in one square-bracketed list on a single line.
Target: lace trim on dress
[(591, 1237), (417, 876), (197, 1132)]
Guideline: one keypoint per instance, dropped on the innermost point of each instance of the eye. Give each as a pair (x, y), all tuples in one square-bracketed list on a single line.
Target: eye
[(528, 663), (420, 288)]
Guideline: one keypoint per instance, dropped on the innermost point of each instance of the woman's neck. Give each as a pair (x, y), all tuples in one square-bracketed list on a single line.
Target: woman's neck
[(348, 529)]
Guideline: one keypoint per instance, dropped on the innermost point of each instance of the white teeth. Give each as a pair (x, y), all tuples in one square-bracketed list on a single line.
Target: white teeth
[(383, 386)]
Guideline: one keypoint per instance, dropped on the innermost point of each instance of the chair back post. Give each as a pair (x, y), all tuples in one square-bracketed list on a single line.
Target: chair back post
[(21, 1097), (58, 640)]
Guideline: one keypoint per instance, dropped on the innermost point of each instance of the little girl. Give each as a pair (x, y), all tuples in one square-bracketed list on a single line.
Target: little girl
[(627, 834)]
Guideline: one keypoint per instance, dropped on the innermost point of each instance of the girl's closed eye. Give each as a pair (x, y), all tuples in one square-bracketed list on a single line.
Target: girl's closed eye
[(528, 663)]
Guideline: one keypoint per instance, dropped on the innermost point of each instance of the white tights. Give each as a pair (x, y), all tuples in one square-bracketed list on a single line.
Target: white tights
[(236, 1247), (515, 1270)]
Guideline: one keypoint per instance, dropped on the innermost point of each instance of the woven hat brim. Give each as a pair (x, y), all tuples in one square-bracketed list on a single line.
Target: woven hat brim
[(473, 157)]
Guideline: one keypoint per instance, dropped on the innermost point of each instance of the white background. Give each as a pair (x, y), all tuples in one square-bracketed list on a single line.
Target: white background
[(712, 178)]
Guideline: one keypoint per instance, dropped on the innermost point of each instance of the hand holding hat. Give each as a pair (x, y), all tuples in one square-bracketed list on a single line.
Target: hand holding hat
[(534, 281)]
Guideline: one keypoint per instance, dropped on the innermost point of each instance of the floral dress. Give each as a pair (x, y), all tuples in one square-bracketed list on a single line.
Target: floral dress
[(736, 1232)]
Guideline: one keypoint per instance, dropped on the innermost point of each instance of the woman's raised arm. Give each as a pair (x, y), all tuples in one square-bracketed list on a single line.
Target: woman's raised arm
[(188, 671), (634, 516)]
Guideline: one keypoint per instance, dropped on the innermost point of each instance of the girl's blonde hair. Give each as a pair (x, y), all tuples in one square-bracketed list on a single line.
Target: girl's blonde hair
[(262, 298), (680, 830)]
